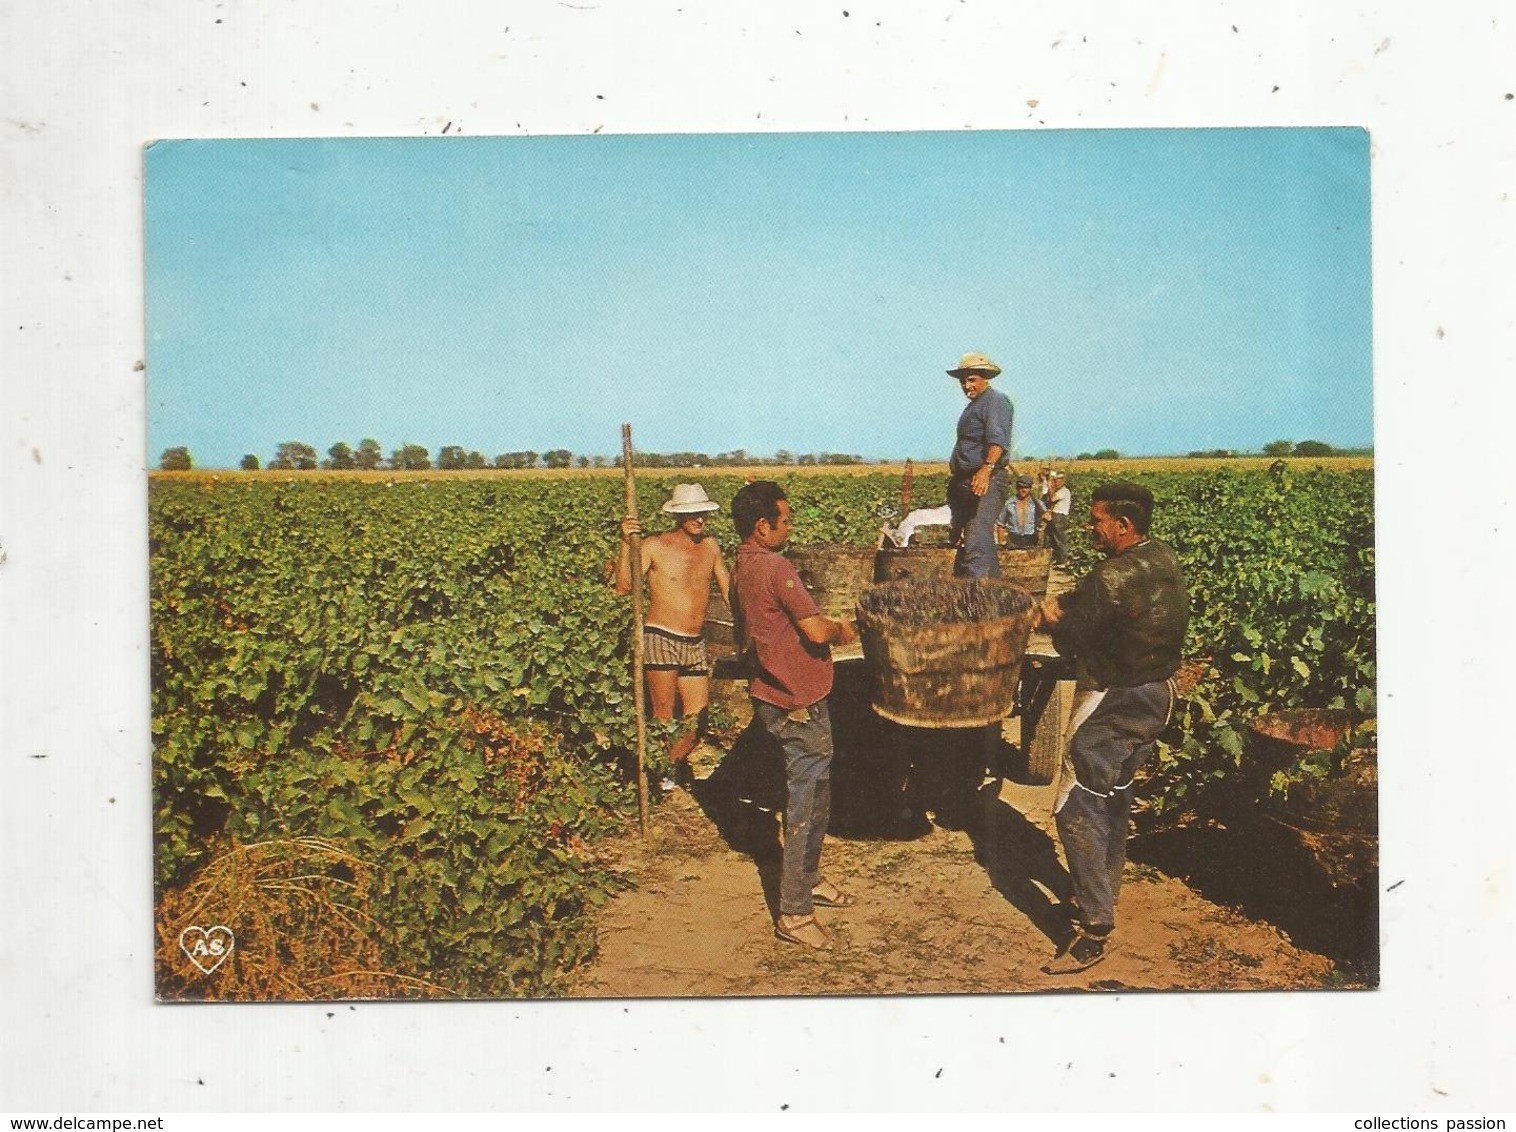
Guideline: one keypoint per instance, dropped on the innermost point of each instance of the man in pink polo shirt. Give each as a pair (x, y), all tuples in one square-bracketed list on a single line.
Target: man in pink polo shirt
[(787, 642)]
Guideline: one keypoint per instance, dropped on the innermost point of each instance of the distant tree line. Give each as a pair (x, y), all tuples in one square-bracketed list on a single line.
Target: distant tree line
[(1278, 448), (1273, 448), (1304, 448), (739, 458), (297, 456), (294, 455)]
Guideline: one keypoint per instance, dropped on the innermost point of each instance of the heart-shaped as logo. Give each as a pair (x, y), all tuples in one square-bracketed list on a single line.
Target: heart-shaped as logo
[(207, 948)]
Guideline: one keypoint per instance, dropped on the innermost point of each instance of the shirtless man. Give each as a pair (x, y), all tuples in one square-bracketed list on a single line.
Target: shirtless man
[(678, 565)]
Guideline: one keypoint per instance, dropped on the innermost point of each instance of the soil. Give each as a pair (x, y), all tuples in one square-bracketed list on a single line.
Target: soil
[(948, 911), (943, 909)]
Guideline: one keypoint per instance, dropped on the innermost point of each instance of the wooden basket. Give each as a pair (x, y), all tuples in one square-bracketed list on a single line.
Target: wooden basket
[(1336, 818), (835, 576), (960, 670)]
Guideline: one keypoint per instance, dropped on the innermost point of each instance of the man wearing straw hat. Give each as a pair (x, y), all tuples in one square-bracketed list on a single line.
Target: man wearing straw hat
[(978, 482), (678, 565)]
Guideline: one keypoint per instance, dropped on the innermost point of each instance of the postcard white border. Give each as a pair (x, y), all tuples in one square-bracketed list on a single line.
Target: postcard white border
[(86, 85)]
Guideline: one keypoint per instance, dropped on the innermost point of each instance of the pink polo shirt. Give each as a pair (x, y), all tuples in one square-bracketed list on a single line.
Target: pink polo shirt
[(768, 599)]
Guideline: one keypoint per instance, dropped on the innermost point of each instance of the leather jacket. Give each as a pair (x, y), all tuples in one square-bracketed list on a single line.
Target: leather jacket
[(1125, 621)]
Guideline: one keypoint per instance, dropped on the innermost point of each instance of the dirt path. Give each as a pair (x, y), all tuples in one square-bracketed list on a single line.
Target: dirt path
[(944, 912), (940, 911)]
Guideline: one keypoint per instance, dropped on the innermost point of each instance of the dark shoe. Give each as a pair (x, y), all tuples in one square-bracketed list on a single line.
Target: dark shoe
[(1064, 924), (1082, 954)]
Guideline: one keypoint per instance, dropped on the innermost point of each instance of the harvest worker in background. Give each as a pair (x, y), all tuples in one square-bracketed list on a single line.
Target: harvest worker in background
[(1124, 624), (1022, 516), (977, 486), (978, 482), (787, 640), (1040, 489), (1060, 500), (678, 565)]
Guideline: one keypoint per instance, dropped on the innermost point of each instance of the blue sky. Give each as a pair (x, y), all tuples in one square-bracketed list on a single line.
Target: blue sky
[(1153, 291)]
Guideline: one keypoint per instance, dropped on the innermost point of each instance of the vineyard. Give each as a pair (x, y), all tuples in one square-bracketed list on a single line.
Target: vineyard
[(392, 717)]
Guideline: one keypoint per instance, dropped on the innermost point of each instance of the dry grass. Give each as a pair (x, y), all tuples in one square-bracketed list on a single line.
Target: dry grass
[(297, 911)]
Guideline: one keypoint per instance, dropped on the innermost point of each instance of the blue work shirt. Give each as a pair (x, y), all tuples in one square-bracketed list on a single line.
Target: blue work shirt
[(1008, 517), (986, 420)]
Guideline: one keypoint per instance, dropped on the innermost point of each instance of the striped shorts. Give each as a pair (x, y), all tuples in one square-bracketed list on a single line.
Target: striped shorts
[(666, 651)]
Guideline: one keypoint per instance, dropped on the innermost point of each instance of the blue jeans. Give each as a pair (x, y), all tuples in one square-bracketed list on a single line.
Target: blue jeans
[(807, 748), (1119, 736), (975, 515)]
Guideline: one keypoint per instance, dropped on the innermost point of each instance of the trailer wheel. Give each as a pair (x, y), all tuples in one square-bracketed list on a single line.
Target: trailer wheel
[(1046, 708)]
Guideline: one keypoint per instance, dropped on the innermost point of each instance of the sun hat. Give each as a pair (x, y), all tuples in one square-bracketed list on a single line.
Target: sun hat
[(689, 499), (974, 363), (1023, 481), (1055, 474)]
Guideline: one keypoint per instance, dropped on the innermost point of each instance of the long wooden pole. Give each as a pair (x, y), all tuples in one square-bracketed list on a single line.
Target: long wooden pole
[(638, 695)]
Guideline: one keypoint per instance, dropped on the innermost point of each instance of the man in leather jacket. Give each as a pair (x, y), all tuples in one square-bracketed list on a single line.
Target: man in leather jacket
[(1124, 624)]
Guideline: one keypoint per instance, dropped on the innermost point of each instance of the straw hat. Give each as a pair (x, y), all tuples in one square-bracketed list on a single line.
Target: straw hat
[(689, 499), (974, 363)]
